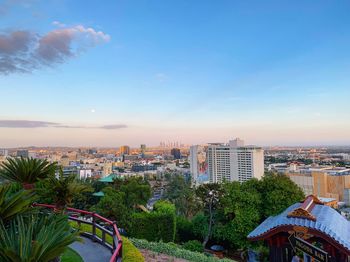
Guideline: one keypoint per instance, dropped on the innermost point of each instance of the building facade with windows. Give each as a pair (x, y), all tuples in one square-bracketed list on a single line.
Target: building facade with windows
[(234, 162)]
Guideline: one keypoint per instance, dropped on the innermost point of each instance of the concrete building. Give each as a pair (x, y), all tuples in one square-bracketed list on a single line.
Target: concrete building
[(85, 173), (234, 162), (198, 164), (325, 185)]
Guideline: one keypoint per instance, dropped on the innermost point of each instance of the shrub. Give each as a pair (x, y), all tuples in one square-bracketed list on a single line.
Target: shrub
[(193, 245), (130, 252), (184, 230), (157, 225), (175, 251)]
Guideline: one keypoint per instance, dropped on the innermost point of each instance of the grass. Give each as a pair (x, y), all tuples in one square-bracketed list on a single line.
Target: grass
[(175, 250), (71, 256), (130, 252)]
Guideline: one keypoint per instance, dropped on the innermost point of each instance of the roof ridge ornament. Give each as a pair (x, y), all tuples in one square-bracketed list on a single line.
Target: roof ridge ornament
[(304, 211)]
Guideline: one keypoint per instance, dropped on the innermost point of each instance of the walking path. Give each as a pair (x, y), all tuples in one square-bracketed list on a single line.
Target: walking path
[(91, 251)]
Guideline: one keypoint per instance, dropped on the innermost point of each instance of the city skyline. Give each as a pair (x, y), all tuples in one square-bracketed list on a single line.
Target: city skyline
[(86, 74)]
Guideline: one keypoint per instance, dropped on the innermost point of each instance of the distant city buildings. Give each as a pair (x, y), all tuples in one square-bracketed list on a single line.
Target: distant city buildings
[(328, 183), (171, 144), (143, 149), (22, 153), (85, 173), (124, 150), (234, 162), (4, 152), (176, 153)]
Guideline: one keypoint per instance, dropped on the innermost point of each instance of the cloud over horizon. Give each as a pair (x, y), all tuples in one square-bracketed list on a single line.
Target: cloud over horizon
[(46, 124), (23, 51)]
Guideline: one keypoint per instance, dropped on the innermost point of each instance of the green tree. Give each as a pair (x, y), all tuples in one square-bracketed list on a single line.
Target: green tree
[(180, 193), (26, 171), (200, 226), (136, 191), (209, 196), (278, 192), (184, 230), (62, 190), (240, 204), (112, 205)]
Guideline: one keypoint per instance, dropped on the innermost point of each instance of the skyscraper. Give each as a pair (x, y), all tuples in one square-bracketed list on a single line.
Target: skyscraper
[(234, 162)]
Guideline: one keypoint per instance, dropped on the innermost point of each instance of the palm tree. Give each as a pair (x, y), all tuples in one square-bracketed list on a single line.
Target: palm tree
[(15, 203), (62, 190), (26, 171), (37, 238)]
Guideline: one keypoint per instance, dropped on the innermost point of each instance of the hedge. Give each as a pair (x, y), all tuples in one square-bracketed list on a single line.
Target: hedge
[(174, 250), (193, 245), (158, 225)]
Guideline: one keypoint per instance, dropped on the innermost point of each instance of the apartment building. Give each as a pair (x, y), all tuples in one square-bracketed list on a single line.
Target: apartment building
[(234, 162)]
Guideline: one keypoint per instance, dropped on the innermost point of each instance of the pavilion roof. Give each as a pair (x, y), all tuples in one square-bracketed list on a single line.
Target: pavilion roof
[(312, 214), (108, 179)]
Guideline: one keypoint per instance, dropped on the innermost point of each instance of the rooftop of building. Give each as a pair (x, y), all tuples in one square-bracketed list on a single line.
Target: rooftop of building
[(311, 214)]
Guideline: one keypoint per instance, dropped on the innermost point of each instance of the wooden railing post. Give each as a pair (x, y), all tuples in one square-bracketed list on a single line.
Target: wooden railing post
[(115, 245), (93, 224), (103, 236)]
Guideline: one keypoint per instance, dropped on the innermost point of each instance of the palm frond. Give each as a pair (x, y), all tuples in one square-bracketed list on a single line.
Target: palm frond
[(26, 170)]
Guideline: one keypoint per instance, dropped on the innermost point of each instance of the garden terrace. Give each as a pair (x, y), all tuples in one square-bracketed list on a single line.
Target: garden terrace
[(95, 221)]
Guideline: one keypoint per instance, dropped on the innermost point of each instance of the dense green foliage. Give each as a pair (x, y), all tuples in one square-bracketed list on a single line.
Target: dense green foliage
[(112, 205), (184, 230), (13, 203), (136, 191), (158, 225), (180, 193), (62, 189), (26, 233), (26, 170), (278, 192), (174, 250), (35, 238), (193, 245), (236, 208), (240, 207)]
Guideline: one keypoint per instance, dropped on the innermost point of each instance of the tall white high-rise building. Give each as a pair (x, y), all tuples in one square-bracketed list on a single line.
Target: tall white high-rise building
[(234, 162)]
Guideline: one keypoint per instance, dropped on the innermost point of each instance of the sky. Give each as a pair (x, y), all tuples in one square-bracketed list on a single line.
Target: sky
[(92, 73)]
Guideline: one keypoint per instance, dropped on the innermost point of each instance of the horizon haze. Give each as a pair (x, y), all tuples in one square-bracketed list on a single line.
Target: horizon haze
[(79, 73)]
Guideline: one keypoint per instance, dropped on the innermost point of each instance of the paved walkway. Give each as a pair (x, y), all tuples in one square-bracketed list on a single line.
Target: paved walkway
[(91, 251)]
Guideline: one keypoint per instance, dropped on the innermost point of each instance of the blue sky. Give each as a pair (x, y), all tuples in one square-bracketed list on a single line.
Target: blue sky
[(272, 72)]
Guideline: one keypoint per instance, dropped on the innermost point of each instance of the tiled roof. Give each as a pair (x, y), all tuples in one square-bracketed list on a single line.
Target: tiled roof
[(108, 179), (328, 221)]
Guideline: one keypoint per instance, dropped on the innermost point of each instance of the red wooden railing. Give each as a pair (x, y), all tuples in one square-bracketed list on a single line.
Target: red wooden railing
[(117, 246)]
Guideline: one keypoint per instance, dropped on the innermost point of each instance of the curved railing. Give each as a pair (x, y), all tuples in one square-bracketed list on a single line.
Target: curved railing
[(91, 218)]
